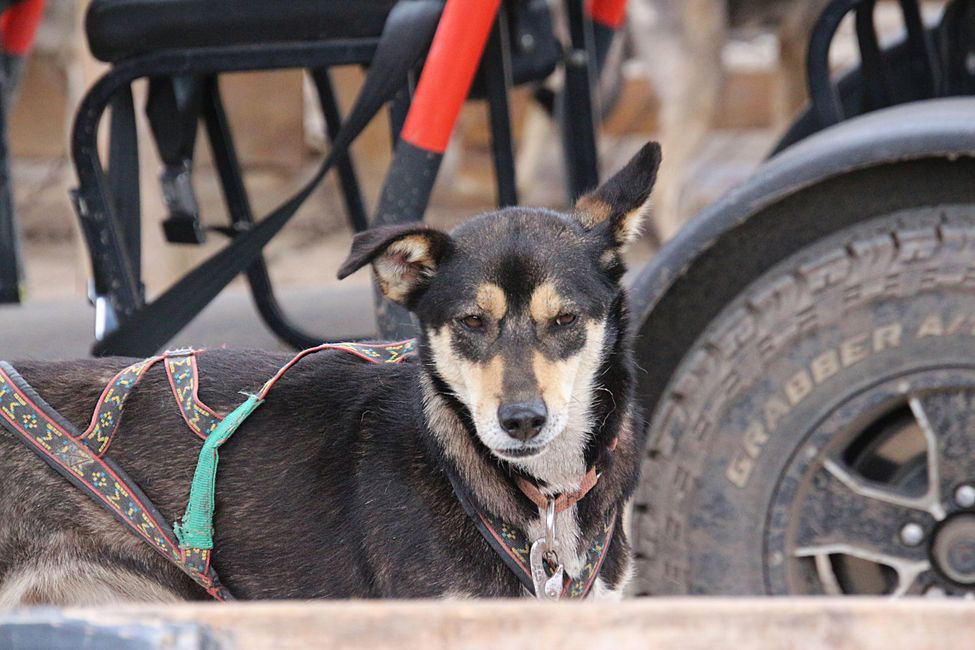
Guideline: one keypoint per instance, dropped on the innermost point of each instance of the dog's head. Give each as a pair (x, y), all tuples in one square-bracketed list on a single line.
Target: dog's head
[(514, 307)]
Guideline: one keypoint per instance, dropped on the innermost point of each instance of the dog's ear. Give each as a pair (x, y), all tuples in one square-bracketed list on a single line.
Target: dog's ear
[(403, 256), (618, 205)]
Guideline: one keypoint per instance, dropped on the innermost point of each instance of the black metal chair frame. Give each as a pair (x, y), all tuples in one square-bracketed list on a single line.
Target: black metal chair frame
[(9, 244), (878, 89), (107, 200)]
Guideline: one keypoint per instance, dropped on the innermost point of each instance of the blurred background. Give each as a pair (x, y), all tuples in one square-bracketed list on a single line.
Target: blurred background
[(737, 60)]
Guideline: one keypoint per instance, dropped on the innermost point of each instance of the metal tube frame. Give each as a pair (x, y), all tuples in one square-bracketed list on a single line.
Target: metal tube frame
[(878, 90), (117, 290), (9, 244), (496, 71), (111, 228), (576, 104)]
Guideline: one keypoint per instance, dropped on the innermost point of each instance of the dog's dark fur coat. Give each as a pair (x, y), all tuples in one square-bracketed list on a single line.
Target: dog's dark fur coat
[(336, 486)]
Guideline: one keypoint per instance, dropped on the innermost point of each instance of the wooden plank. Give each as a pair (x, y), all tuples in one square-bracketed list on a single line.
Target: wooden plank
[(660, 624)]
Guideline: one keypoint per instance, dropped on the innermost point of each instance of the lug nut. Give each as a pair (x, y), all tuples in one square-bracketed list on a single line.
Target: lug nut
[(912, 534), (965, 496)]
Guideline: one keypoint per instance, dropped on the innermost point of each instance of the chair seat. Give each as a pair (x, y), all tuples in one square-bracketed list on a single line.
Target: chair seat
[(118, 29)]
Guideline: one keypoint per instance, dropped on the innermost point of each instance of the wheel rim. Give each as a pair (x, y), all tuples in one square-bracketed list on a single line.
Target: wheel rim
[(880, 498)]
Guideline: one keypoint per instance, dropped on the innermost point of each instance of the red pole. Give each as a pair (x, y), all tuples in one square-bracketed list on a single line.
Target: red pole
[(448, 72), (18, 24), (610, 13)]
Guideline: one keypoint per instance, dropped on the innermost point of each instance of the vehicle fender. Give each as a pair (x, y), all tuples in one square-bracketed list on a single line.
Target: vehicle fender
[(920, 153)]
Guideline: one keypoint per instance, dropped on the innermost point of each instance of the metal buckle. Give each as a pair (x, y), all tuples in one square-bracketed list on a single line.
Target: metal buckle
[(182, 226), (106, 321), (544, 554)]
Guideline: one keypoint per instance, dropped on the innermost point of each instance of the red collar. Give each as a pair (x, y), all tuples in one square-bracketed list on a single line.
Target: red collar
[(567, 500)]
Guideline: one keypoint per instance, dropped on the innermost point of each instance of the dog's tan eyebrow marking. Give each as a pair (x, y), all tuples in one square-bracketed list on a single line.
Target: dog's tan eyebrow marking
[(546, 303), (491, 299)]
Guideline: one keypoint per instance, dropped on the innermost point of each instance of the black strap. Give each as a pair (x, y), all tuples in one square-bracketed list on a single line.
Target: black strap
[(405, 38), (9, 245), (475, 515), (123, 174)]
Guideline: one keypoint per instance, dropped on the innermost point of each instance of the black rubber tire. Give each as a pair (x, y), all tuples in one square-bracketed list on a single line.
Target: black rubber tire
[(871, 302)]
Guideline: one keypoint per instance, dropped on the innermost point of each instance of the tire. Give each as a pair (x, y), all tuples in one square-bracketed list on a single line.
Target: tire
[(877, 306)]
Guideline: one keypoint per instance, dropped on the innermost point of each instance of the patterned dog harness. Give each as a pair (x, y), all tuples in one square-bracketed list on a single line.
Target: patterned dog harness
[(80, 456)]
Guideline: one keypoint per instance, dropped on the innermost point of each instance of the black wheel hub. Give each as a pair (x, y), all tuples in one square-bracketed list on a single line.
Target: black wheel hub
[(880, 498)]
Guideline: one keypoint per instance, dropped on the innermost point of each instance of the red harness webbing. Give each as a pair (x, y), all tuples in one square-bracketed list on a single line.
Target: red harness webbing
[(108, 411)]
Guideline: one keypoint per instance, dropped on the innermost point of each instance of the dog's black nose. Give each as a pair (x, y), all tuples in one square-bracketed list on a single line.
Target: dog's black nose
[(523, 420)]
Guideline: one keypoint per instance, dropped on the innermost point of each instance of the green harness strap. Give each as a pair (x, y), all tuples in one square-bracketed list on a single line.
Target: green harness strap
[(195, 530)]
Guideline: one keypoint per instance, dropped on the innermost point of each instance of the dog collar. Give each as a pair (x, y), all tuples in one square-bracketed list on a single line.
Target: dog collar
[(563, 501), (566, 500), (540, 576)]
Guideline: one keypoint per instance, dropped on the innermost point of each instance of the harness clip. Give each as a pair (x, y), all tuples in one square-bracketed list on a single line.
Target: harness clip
[(546, 570)]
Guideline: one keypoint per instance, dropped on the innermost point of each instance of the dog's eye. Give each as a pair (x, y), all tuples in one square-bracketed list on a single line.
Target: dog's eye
[(472, 322), (563, 320)]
